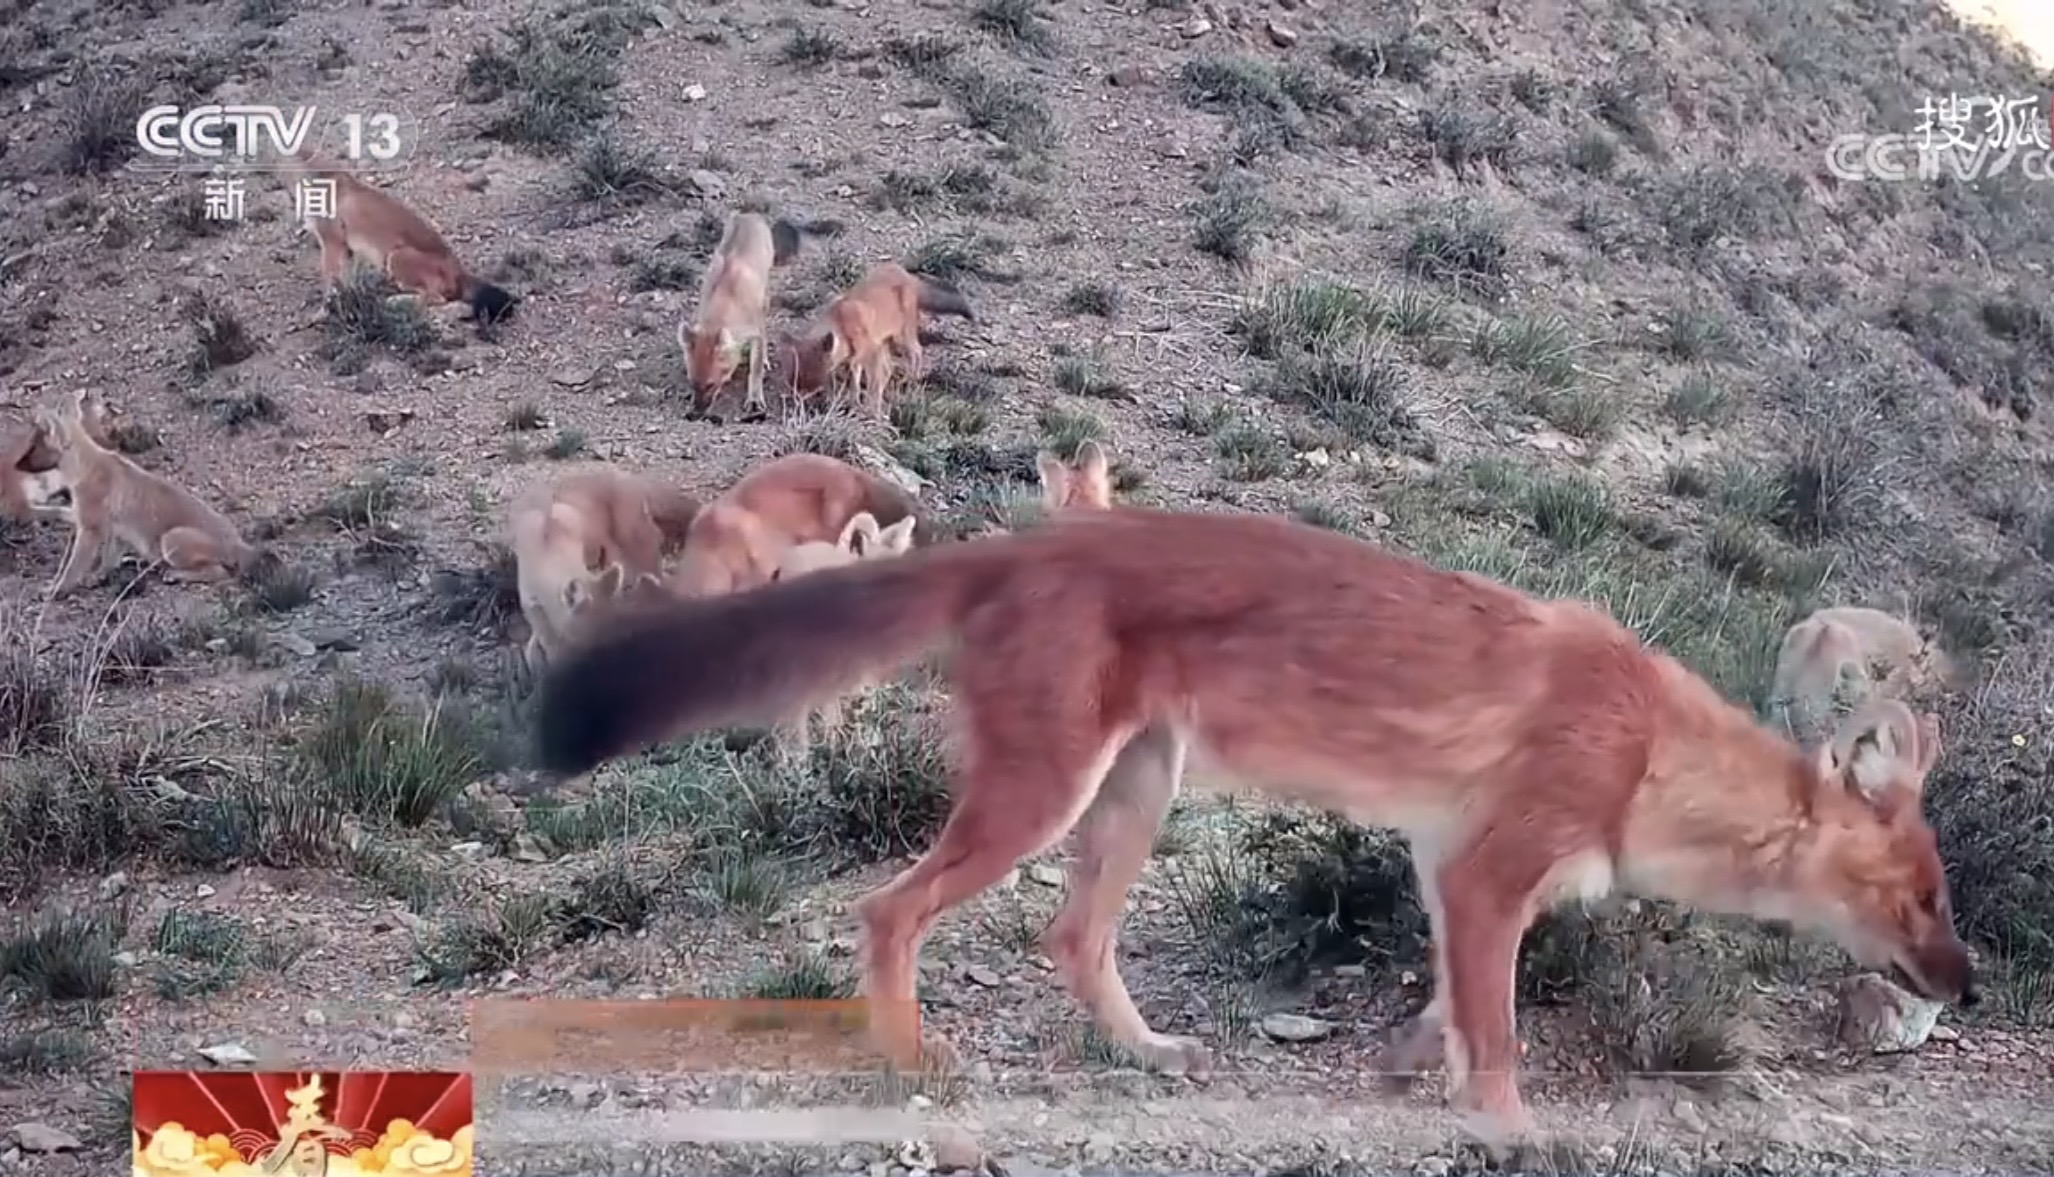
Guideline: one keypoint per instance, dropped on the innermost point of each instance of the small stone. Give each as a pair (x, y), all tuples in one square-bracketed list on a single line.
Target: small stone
[(1197, 27), (228, 1054), (113, 884), (954, 1149), (1127, 76), (984, 976), (293, 643), (1045, 874), (36, 1137), (1099, 1149), (1295, 1028), (1879, 1016), (204, 891), (694, 92), (1279, 35), (708, 184), (314, 1018), (470, 850), (572, 377), (1433, 1167), (892, 118), (527, 849)]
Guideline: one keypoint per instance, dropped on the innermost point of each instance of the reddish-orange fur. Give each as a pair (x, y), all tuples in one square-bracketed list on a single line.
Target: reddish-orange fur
[(1529, 750), (375, 226), (738, 539), (865, 325)]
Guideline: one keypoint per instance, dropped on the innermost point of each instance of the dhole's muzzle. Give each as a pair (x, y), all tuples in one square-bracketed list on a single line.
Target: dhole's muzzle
[(1937, 969)]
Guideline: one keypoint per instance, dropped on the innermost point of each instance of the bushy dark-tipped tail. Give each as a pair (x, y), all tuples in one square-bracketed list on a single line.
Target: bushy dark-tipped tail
[(490, 304), (785, 239), (937, 299), (754, 657)]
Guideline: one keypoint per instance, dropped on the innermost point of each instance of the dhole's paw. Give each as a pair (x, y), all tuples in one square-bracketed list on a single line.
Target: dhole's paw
[(1173, 1054), (1508, 1136)]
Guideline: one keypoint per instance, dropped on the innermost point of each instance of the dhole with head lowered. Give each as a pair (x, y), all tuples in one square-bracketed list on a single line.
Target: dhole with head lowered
[(372, 224), (734, 306), (738, 539), (116, 503), (591, 518), (1531, 751), (864, 324)]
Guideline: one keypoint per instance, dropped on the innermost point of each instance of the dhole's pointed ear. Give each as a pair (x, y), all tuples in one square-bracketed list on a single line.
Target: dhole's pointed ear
[(1881, 747), (860, 535), (1055, 477), (898, 538), (1095, 471), (576, 593)]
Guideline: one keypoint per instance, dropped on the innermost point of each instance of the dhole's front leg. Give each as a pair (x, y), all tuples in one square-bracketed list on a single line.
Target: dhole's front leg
[(87, 557), (1488, 896), (754, 399)]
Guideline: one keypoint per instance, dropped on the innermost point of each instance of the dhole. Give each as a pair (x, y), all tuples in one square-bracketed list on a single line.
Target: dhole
[(863, 324), (734, 305), (591, 518), (1530, 750), (372, 224), (113, 499), (738, 539), (1814, 651), (862, 539), (28, 463), (1087, 482)]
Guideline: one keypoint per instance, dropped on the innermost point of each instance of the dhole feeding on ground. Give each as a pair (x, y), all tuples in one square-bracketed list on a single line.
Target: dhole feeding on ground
[(590, 519), (862, 326), (115, 502), (1530, 751), (734, 306), (372, 224), (738, 539)]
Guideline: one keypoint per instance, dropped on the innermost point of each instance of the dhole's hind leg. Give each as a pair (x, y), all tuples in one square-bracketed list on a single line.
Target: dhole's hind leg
[(1017, 794), (1114, 838), (1420, 1046)]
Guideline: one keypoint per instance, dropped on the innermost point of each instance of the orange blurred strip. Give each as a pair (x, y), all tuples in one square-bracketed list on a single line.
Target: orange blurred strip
[(706, 1036)]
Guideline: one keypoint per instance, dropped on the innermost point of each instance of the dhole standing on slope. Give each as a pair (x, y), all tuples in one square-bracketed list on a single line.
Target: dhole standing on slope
[(862, 326), (738, 539), (734, 306), (372, 224), (116, 502), (1531, 751), (591, 518)]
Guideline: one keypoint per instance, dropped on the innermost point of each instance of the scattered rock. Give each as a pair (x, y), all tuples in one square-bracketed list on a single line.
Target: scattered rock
[(1296, 1028), (983, 976), (113, 885), (37, 1137), (228, 1054), (1279, 35), (572, 377), (314, 1018), (1197, 27), (293, 643), (1127, 76), (954, 1149), (892, 118), (1045, 874), (711, 185), (1433, 1167), (1876, 1015), (695, 92), (1098, 1150), (527, 849), (385, 421)]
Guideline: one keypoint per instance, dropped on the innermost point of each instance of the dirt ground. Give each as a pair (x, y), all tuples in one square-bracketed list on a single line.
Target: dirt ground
[(1560, 292)]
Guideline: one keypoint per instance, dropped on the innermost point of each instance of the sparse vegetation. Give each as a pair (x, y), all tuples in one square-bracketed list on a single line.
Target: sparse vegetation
[(1555, 310)]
